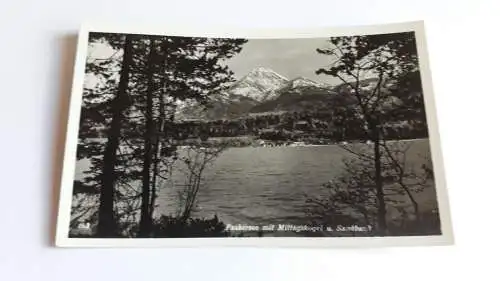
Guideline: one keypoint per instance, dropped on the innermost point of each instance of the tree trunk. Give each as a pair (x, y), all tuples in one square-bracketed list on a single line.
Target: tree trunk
[(107, 226), (381, 212), (155, 178), (157, 159), (160, 132), (146, 221)]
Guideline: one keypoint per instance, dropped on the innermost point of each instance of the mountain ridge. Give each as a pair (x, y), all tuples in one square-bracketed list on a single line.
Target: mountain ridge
[(262, 90)]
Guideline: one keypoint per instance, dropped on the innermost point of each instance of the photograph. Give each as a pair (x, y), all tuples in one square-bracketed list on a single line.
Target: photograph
[(310, 137)]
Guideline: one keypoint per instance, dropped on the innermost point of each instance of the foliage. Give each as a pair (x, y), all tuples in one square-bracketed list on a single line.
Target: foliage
[(194, 160), (192, 227), (389, 60), (128, 111), (351, 198)]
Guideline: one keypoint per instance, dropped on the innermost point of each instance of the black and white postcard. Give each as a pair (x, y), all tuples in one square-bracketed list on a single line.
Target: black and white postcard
[(299, 138)]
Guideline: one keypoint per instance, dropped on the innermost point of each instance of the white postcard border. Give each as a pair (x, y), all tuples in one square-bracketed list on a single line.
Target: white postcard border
[(65, 196)]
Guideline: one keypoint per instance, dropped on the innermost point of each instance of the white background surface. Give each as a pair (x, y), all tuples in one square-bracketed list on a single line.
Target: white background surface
[(35, 68)]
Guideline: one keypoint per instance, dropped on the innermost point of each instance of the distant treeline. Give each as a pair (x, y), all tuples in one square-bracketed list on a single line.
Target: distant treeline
[(299, 126), (313, 127)]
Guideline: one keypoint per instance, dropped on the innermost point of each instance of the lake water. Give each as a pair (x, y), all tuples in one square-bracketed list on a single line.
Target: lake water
[(269, 185)]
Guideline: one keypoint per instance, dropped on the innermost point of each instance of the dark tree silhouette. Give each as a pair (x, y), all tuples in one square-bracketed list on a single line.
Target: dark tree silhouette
[(371, 68), (351, 198), (127, 125), (102, 114)]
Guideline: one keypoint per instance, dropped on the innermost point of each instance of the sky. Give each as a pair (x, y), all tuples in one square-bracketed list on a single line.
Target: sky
[(289, 57)]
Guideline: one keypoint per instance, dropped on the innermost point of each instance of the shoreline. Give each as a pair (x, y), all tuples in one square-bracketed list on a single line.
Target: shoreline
[(237, 142)]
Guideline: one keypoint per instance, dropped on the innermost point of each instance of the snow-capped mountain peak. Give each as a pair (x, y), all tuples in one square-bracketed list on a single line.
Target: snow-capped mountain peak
[(304, 82), (263, 72), (258, 84)]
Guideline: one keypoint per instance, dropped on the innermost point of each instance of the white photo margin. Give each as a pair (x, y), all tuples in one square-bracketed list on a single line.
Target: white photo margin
[(65, 196)]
